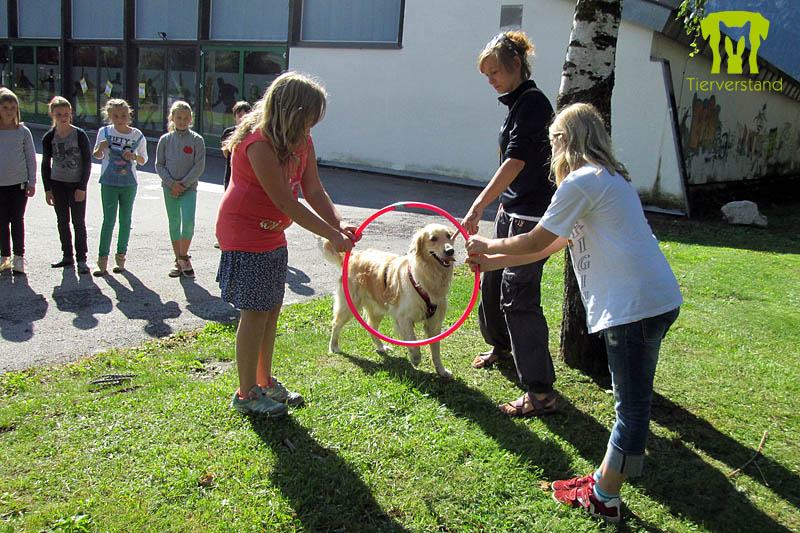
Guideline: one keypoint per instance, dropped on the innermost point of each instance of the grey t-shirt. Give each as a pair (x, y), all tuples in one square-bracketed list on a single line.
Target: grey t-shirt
[(66, 158)]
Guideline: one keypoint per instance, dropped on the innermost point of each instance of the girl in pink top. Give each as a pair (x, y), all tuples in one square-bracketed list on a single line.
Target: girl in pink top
[(272, 160)]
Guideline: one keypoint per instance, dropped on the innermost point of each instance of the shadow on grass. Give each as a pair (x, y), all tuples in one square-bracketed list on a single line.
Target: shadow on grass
[(475, 406), (674, 475), (325, 493)]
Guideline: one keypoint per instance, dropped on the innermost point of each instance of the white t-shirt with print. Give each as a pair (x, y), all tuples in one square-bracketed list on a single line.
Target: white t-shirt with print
[(622, 274), (120, 141)]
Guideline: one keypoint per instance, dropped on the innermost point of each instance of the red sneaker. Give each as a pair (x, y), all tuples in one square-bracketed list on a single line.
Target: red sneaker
[(573, 483), (583, 497)]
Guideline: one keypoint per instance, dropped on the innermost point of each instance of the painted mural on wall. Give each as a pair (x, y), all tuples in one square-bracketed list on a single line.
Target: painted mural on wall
[(724, 140)]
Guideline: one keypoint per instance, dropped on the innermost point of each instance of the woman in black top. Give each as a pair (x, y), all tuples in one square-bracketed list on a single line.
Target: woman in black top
[(510, 312)]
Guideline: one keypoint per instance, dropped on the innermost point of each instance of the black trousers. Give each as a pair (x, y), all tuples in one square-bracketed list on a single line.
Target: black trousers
[(510, 314), (13, 200), (66, 208)]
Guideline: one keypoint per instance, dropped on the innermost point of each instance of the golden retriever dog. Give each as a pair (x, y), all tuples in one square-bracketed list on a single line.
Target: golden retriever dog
[(410, 288)]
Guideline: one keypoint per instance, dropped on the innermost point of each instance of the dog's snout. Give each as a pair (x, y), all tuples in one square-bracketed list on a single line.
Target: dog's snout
[(449, 251)]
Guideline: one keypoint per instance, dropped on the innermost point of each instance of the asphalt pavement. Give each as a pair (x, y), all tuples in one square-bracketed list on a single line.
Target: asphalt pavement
[(54, 315)]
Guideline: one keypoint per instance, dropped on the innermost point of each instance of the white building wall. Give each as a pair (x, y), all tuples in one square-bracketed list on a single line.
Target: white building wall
[(425, 108), (641, 122)]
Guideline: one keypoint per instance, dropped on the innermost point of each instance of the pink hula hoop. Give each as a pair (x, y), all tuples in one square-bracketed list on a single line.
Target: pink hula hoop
[(420, 342)]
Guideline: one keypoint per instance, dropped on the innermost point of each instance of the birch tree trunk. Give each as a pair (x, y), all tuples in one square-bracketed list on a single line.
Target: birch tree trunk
[(588, 77)]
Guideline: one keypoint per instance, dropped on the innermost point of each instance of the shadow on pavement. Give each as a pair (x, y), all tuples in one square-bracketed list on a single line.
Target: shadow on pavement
[(79, 295), (16, 324)]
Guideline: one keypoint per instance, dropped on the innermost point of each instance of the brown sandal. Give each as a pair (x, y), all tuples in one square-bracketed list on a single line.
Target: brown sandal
[(516, 408), (487, 359)]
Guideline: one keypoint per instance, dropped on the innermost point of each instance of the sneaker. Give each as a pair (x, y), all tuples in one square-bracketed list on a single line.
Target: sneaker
[(5, 263), (280, 393), (83, 268), (573, 483), (259, 404), (584, 497), (18, 265)]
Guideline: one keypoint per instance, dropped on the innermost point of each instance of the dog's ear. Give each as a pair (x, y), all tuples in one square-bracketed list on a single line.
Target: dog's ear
[(418, 243)]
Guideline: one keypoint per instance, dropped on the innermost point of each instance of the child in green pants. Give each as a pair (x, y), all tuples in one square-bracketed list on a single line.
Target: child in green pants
[(180, 161), (121, 147)]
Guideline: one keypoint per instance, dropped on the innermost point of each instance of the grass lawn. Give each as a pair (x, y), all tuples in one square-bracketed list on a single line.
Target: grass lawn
[(383, 446)]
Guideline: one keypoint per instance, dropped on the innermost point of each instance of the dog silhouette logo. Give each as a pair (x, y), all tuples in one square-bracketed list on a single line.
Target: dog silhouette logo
[(711, 30)]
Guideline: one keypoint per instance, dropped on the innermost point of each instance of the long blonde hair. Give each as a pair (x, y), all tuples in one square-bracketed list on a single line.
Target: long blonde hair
[(178, 104), (585, 141), (292, 103), (506, 46), (7, 95)]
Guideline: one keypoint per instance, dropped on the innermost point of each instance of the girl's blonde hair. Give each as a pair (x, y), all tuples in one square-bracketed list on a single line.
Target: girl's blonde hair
[(585, 141), (292, 103), (7, 95), (115, 102), (58, 101), (178, 104), (506, 46)]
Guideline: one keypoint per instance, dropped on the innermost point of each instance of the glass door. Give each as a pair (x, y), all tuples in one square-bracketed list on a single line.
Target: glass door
[(25, 79), (36, 77), (182, 76), (48, 76), (221, 90), (84, 86), (150, 115), (231, 74), (5, 66)]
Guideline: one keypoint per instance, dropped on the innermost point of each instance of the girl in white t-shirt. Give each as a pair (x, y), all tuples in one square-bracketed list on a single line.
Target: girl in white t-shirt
[(627, 287), (121, 147)]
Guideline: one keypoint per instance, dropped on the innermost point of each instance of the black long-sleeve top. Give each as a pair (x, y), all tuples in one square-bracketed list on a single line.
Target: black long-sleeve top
[(523, 136)]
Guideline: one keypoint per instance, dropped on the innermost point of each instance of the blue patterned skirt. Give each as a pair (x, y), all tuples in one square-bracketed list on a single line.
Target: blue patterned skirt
[(254, 281)]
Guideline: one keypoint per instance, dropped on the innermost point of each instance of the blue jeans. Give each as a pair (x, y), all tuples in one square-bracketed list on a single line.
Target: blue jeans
[(632, 358)]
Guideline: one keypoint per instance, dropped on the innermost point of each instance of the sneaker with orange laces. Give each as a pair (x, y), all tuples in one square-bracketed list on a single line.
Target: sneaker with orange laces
[(567, 484), (584, 497)]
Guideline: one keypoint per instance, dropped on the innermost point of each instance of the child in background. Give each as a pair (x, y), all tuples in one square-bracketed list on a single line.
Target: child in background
[(180, 160), (240, 109), (66, 165), (120, 147), (629, 291), (17, 181), (272, 157)]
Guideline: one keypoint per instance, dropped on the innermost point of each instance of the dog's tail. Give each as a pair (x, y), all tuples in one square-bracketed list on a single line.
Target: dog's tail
[(330, 255)]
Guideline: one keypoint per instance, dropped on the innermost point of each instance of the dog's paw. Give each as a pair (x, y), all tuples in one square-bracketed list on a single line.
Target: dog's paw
[(415, 358), (444, 373), (334, 349), (384, 350)]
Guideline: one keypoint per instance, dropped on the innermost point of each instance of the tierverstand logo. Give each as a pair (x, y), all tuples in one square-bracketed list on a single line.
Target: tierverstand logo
[(710, 28), (759, 28)]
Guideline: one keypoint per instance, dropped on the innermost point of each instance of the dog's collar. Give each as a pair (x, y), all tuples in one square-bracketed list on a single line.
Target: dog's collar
[(430, 307)]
